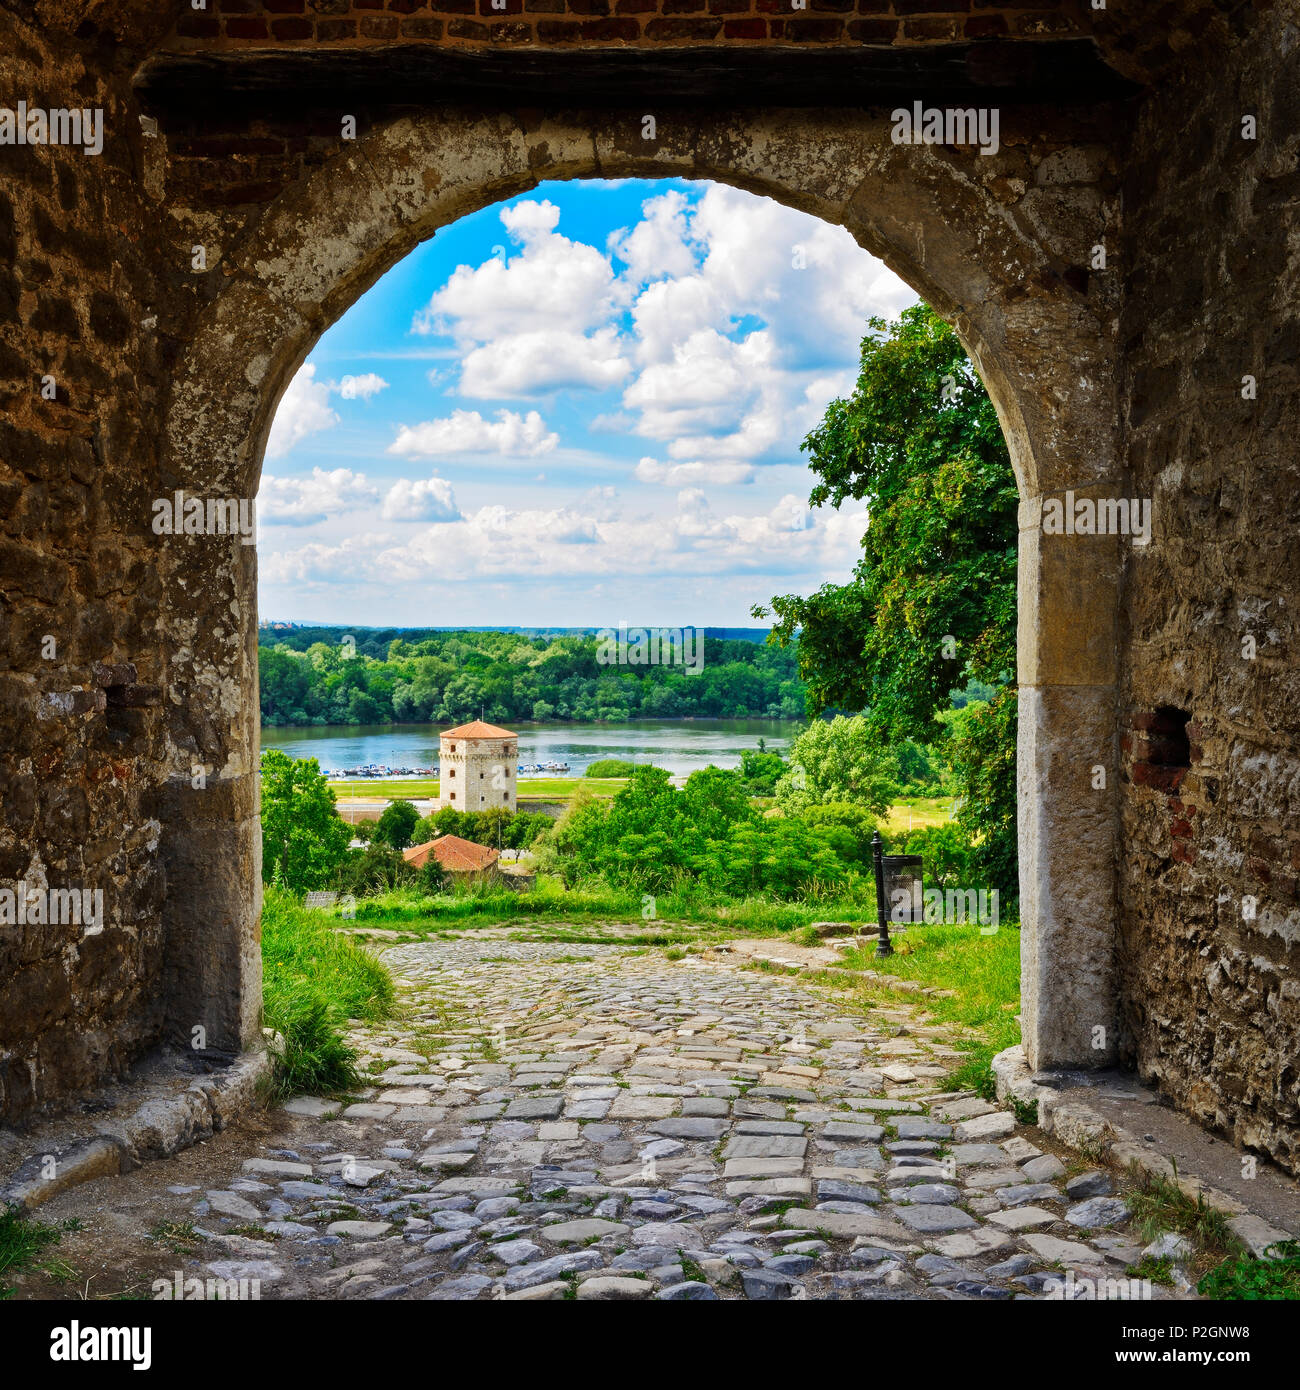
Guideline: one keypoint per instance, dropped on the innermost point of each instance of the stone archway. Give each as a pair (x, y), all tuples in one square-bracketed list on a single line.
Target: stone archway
[(997, 245)]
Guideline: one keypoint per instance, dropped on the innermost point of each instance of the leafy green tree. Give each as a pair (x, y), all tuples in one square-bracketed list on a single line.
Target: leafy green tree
[(396, 824), (851, 828), (760, 770), (837, 760), (932, 603), (303, 838)]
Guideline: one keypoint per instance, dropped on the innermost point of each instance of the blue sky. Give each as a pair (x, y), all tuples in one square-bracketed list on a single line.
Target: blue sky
[(582, 406)]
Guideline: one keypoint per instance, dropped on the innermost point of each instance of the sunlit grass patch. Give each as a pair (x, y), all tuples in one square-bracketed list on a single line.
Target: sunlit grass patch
[(315, 978)]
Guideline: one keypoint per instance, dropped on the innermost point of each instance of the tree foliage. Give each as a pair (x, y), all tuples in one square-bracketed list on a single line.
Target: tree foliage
[(303, 838), (919, 441), (931, 606), (397, 824), (654, 838), (449, 677), (840, 760)]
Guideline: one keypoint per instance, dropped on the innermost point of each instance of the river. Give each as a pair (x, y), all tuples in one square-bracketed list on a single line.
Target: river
[(679, 745)]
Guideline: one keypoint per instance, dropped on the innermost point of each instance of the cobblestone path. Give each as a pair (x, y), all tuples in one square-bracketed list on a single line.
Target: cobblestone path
[(592, 1121)]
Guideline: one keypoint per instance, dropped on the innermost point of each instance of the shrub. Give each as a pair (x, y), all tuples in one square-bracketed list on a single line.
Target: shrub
[(610, 767)]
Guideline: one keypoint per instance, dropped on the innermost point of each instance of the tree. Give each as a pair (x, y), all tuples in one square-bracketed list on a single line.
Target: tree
[(849, 829), (761, 770), (932, 602), (396, 824), (840, 760), (303, 838)]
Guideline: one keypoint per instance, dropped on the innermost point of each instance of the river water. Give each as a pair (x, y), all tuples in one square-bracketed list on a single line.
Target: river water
[(679, 745)]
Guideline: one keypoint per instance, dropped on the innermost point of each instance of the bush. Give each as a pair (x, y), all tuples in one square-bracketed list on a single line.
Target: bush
[(946, 851), (854, 825), (374, 869), (610, 767)]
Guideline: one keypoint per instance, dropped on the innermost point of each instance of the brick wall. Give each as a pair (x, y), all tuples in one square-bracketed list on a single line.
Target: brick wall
[(258, 23)]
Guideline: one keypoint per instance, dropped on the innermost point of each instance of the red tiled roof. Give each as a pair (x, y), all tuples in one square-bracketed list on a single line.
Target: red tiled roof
[(478, 729), (453, 853)]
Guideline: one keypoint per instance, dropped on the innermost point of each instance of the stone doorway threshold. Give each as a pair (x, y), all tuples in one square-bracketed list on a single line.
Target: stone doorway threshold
[(1111, 1115), (165, 1104)]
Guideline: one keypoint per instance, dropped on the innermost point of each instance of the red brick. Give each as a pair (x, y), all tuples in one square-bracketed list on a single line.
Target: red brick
[(698, 29), (879, 31), (627, 30), (814, 30), (421, 28), (196, 26), (745, 29), (931, 29), (285, 6), (249, 28), (291, 28), (634, 6), (684, 6), (407, 6), (985, 26)]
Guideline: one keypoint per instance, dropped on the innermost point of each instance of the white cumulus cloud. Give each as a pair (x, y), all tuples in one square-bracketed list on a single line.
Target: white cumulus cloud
[(467, 432), (304, 409), (421, 499), (362, 387), (309, 499)]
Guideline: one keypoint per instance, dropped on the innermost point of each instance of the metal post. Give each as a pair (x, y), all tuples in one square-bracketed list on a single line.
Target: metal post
[(884, 947)]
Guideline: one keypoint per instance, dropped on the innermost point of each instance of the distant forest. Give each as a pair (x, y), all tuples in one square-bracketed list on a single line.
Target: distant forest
[(308, 676)]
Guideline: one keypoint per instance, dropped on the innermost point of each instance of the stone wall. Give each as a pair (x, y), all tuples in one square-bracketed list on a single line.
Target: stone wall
[(128, 742), (80, 671), (1210, 882)]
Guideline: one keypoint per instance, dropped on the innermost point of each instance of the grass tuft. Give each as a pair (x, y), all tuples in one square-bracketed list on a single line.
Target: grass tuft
[(314, 979)]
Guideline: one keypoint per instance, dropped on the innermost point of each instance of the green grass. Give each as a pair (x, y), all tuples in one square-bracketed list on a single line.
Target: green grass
[(1158, 1204), (21, 1243), (1243, 1278), (314, 979), (548, 901), (985, 973), (917, 813)]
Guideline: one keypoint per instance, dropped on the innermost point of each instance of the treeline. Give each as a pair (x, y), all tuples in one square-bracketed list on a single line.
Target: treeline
[(450, 677)]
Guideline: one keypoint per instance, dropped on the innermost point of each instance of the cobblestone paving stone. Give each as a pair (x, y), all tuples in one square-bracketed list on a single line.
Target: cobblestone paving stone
[(557, 1121)]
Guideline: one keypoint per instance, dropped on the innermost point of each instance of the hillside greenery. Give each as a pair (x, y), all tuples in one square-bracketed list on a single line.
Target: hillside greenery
[(450, 677)]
